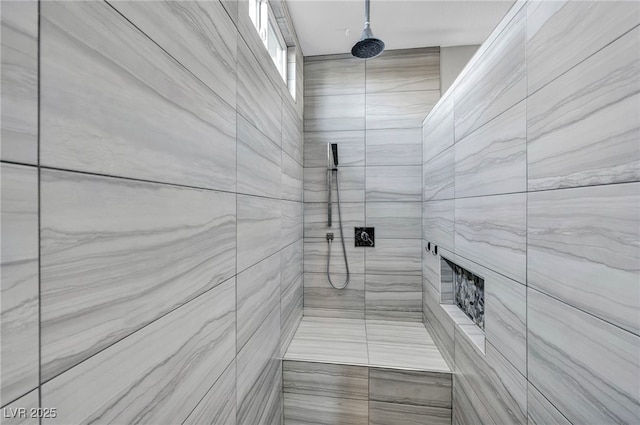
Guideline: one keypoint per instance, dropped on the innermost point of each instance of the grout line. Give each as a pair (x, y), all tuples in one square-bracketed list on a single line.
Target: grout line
[(545, 397), (209, 390), (39, 221)]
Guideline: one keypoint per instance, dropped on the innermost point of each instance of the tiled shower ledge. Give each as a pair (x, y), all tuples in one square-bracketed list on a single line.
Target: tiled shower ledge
[(373, 343)]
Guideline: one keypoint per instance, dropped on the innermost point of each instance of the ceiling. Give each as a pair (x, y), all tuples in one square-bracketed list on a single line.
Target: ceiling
[(333, 26)]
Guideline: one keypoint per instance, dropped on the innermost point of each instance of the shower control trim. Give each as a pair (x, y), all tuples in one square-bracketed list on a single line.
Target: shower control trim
[(364, 237)]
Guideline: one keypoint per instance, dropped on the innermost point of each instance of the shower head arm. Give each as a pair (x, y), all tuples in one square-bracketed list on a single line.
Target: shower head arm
[(366, 13)]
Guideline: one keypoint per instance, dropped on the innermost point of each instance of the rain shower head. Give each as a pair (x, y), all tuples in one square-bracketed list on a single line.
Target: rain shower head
[(368, 47)]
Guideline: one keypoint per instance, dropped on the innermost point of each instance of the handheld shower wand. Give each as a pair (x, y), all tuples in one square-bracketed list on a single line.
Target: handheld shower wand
[(332, 167)]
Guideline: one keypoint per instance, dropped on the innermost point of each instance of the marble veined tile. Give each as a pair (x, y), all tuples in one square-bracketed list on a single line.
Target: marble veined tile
[(333, 77), (491, 231), (202, 38), (326, 380), (351, 182), (393, 297), (394, 183), (540, 411), (399, 109), (351, 147), (439, 176), (158, 374), (437, 129), (493, 159), (316, 220), (584, 366), (467, 407), (583, 27), (117, 254), (406, 414), (583, 128), (291, 310), (218, 406), (417, 388), (394, 146), (302, 409), (583, 249), (321, 299), (334, 113), (395, 257), (395, 219), (404, 70), (497, 81), (113, 102), (259, 228), (258, 294), (19, 285), (292, 131), (11, 414), (438, 219), (291, 222), (19, 28), (291, 179), (259, 162), (317, 249)]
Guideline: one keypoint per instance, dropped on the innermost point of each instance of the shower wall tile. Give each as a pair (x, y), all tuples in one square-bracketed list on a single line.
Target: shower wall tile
[(541, 411), (291, 222), (291, 258), (395, 219), (438, 223), (259, 162), (292, 131), (157, 374), (497, 82), (583, 128), (404, 71), (19, 286), (491, 230), (292, 179), (583, 249), (418, 388), (583, 27), (351, 184), (390, 413), (394, 184), (258, 294), (126, 230), (302, 409), (333, 113), (259, 227), (334, 77), (351, 148), (291, 309), (321, 299), (399, 110), (437, 129), (28, 402), (218, 406), (19, 28), (467, 407), (315, 256), (395, 146), (438, 175), (315, 219), (326, 380), (202, 38), (588, 381), (395, 256), (135, 103), (493, 159), (389, 297), (231, 7)]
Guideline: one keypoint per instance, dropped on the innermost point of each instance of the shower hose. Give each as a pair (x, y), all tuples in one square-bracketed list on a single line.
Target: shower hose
[(330, 240)]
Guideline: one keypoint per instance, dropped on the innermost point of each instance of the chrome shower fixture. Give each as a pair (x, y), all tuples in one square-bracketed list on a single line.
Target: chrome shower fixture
[(368, 47)]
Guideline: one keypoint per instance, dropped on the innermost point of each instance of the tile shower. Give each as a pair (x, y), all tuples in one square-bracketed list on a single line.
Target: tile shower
[(163, 223)]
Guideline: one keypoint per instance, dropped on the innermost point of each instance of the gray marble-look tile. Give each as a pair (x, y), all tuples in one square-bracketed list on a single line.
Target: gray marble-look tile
[(231, 6), (258, 294), (334, 77), (540, 411), (399, 110), (438, 223), (326, 380), (351, 148), (497, 81), (302, 409), (291, 258), (107, 92), (437, 129), (315, 219), (291, 222), (158, 374), (446, 287), (291, 310), (259, 228), (583, 249), (583, 128), (491, 230), (12, 413), (467, 407), (394, 257), (493, 159), (110, 246), (316, 250), (202, 38), (390, 413), (394, 146), (394, 183), (19, 28), (218, 406), (258, 99), (583, 27), (404, 70), (292, 179), (410, 387), (19, 286), (259, 162), (292, 131), (322, 300), (351, 182), (439, 176), (395, 219), (333, 113), (590, 382), (393, 297)]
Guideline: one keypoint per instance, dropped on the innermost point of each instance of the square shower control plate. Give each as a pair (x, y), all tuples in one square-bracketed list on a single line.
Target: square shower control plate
[(365, 236)]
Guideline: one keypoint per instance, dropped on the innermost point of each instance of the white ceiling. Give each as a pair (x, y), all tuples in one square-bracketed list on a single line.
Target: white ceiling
[(333, 26)]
